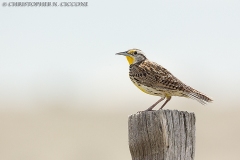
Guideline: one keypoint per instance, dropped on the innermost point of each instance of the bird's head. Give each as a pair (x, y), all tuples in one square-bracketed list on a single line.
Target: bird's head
[(133, 55)]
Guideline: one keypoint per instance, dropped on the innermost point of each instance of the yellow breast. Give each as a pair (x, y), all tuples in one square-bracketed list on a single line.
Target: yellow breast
[(142, 88), (150, 90)]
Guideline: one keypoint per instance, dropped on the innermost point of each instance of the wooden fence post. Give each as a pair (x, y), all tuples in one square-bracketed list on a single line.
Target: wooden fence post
[(162, 135)]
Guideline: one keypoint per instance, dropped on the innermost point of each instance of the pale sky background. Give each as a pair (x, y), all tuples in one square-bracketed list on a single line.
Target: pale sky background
[(67, 55)]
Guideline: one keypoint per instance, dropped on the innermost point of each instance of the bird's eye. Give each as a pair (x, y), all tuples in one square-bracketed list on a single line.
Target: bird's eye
[(135, 52)]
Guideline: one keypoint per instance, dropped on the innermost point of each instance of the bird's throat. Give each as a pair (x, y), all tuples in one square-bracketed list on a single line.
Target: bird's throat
[(130, 60)]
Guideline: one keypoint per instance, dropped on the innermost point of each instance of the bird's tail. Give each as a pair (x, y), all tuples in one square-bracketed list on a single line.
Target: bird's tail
[(200, 97)]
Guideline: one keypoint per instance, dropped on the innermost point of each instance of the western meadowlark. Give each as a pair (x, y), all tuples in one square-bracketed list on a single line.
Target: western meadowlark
[(154, 79)]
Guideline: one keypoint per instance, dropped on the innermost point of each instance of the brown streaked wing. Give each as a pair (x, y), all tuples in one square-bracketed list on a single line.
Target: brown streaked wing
[(154, 75)]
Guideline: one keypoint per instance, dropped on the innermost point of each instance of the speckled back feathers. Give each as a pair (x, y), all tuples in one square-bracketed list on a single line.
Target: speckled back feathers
[(156, 80)]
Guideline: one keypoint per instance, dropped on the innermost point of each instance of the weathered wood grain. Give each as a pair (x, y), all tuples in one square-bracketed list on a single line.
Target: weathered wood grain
[(162, 135)]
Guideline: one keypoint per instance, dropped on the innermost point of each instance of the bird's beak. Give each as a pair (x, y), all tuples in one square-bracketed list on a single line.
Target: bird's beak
[(123, 53)]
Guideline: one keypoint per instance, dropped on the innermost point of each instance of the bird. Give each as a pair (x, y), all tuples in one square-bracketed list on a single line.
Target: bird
[(153, 79)]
